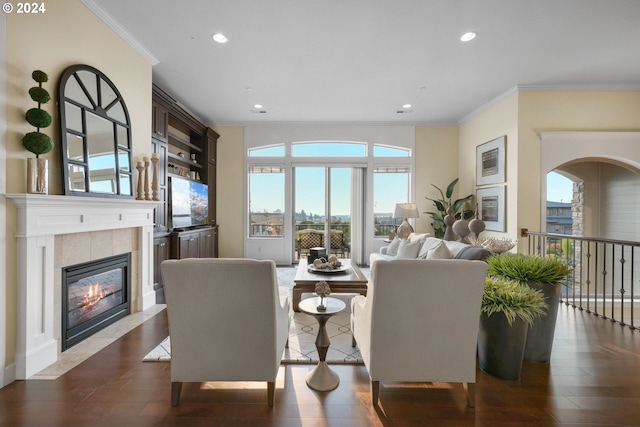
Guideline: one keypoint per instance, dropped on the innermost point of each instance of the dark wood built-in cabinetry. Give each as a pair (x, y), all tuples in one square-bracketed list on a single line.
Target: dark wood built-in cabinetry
[(197, 243), (186, 149)]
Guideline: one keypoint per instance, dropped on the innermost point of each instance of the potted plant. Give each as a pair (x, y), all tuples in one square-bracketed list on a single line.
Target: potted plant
[(507, 309), (545, 275), (443, 204), (37, 142)]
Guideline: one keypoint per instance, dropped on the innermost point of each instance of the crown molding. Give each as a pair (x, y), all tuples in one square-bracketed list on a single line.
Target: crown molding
[(488, 105), (580, 87), (118, 29), (550, 88), (333, 123)]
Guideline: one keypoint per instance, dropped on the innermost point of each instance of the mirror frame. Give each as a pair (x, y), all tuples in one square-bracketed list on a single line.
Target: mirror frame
[(122, 152)]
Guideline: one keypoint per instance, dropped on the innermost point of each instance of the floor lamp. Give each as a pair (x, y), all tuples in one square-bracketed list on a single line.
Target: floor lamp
[(405, 210)]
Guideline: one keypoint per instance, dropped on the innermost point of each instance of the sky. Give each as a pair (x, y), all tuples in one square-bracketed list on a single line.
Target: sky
[(310, 192), (310, 189), (559, 188), (310, 181)]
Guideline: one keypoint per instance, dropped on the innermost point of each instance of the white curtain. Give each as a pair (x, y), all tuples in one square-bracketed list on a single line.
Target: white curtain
[(358, 215)]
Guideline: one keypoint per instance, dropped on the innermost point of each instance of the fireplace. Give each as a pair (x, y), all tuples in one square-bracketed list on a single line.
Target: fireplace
[(58, 231), (95, 294)]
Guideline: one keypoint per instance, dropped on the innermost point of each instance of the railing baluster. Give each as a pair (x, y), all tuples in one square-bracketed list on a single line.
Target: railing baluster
[(633, 301), (592, 273)]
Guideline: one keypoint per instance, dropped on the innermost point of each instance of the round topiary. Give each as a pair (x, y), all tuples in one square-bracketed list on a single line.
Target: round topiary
[(39, 94), (40, 76), (38, 118), (38, 143)]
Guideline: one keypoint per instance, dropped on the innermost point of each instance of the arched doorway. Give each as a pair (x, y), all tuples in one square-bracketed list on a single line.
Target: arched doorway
[(605, 199)]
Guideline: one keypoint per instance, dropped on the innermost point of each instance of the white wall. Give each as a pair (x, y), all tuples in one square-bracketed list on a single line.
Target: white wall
[(3, 190), (620, 203)]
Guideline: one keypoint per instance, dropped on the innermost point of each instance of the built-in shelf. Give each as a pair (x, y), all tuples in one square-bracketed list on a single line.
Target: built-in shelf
[(175, 175), (184, 160), (186, 149)]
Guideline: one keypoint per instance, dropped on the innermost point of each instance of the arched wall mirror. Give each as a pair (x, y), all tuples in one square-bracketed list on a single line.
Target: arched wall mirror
[(95, 135)]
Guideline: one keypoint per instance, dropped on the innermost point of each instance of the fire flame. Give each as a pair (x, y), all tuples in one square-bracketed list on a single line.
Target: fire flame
[(95, 294)]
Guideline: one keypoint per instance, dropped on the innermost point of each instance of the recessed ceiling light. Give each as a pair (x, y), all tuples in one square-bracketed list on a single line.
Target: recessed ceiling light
[(406, 106), (467, 37), (220, 38), (257, 106)]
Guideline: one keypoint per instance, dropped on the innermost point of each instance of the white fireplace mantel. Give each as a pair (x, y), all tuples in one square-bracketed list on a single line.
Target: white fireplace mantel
[(40, 218)]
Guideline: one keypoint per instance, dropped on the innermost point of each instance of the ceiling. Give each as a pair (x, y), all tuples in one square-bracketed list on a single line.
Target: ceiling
[(362, 60)]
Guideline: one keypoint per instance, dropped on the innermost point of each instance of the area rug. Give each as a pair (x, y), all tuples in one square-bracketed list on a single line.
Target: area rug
[(302, 348), (302, 334)]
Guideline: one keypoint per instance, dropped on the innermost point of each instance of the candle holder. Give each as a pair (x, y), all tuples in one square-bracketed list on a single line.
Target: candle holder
[(140, 168), (154, 179), (147, 193)]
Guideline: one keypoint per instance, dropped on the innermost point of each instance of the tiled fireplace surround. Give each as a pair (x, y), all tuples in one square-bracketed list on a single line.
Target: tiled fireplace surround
[(58, 231)]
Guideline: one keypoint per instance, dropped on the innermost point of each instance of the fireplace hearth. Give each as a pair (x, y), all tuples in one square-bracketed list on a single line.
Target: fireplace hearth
[(95, 294)]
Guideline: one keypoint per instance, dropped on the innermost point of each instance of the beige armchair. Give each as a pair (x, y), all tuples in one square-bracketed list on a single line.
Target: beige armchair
[(419, 322), (227, 321)]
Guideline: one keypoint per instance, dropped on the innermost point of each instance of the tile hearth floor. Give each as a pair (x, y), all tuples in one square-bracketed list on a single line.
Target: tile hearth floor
[(87, 348)]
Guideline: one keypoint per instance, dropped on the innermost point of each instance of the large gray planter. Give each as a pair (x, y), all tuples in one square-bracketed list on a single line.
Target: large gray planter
[(540, 335), (501, 346)]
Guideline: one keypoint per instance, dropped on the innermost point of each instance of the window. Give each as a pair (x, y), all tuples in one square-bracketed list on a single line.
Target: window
[(266, 201), (386, 151), (390, 186), (268, 151), (328, 149)]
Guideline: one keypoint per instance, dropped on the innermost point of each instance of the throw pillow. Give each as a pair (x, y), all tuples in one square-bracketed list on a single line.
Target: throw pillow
[(414, 237), (440, 252), (408, 250), (429, 243), (392, 249), (473, 252)]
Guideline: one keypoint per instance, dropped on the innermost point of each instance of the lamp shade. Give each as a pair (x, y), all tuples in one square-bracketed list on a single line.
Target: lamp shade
[(406, 210)]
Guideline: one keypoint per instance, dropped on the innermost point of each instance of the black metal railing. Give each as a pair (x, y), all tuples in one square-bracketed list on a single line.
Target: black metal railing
[(604, 274)]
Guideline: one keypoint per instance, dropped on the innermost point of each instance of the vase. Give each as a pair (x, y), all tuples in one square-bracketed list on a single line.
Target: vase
[(37, 176), (540, 334), (501, 346)]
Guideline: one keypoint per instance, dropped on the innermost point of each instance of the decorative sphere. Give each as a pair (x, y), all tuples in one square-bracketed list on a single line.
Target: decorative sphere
[(461, 228), (38, 117), (476, 226), (40, 76), (38, 143), (39, 94)]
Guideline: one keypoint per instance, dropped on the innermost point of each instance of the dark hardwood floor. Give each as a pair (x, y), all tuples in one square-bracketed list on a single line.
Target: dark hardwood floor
[(592, 380)]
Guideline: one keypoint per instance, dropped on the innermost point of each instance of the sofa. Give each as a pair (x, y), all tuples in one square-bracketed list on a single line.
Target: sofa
[(423, 246)]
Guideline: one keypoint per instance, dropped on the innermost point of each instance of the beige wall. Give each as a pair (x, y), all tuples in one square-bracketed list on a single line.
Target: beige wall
[(230, 191), (67, 34), (436, 160), (500, 119), (522, 116), (564, 111)]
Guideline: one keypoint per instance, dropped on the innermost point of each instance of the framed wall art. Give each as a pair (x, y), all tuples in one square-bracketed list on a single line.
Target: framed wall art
[(491, 207), (490, 161)]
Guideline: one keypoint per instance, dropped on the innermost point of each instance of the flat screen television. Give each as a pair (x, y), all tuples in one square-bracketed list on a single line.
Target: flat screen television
[(188, 203)]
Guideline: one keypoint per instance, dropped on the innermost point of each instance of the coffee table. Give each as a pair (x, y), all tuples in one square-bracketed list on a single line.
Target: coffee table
[(322, 377), (351, 281)]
